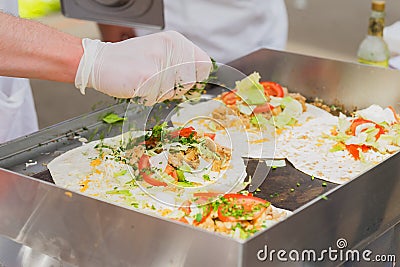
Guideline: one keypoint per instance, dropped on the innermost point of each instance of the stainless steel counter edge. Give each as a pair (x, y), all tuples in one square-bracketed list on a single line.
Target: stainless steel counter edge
[(87, 232)]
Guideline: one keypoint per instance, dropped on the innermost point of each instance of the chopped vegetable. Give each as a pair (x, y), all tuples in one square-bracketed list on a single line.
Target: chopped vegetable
[(112, 118), (119, 192), (237, 207), (144, 170), (229, 98), (273, 89), (250, 90), (120, 173)]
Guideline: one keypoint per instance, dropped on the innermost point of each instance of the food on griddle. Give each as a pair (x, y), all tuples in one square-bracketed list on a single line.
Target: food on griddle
[(177, 173), (237, 215), (157, 172), (255, 114), (371, 129), (338, 149)]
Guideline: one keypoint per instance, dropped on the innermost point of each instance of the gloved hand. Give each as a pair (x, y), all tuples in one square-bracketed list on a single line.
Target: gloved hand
[(155, 67)]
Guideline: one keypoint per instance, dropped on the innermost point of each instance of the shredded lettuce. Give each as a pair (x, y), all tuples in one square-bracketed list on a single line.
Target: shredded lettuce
[(340, 137), (205, 151), (360, 139), (120, 173), (250, 90), (377, 114), (244, 109), (259, 120), (337, 147), (292, 109), (124, 192), (343, 123)]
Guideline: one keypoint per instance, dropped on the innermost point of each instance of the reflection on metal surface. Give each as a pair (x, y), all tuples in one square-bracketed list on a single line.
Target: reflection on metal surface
[(138, 13), (14, 254), (87, 232)]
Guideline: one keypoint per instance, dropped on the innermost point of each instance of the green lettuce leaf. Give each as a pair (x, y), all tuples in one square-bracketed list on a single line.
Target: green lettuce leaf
[(250, 90)]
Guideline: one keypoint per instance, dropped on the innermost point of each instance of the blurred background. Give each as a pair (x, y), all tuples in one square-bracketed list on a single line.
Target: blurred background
[(321, 28)]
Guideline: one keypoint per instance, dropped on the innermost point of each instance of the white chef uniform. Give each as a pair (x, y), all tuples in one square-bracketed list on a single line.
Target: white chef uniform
[(228, 29), (17, 110)]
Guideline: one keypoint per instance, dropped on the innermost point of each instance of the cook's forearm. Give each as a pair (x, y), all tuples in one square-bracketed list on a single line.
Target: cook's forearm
[(32, 50)]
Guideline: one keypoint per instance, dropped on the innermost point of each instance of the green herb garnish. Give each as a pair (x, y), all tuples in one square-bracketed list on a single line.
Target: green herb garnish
[(199, 216), (112, 118)]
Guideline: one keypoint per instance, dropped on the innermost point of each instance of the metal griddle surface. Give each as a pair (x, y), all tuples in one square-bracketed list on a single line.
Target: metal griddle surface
[(289, 188)]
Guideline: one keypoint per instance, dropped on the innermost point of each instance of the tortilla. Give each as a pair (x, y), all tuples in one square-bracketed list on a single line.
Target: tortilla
[(251, 142), (82, 170), (309, 150)]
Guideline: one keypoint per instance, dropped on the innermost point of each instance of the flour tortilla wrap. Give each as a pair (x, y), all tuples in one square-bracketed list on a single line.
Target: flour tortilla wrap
[(308, 150), (253, 142), (78, 171)]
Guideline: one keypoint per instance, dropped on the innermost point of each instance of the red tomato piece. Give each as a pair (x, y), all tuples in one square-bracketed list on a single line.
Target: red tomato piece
[(184, 132), (359, 121), (144, 166), (171, 171), (273, 89), (186, 207), (382, 130), (206, 197), (355, 123), (206, 212), (229, 98), (237, 207), (210, 135), (265, 108), (183, 220), (354, 150)]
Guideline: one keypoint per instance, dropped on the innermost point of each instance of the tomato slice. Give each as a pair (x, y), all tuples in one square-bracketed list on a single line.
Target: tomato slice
[(229, 98), (382, 130), (237, 207), (171, 171), (206, 197), (184, 132), (183, 220), (210, 135), (354, 150), (272, 89), (359, 121), (144, 166), (206, 211), (186, 207), (355, 123), (265, 108), (207, 194)]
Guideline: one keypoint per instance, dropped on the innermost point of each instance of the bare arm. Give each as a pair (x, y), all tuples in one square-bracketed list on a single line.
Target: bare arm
[(112, 33), (32, 50)]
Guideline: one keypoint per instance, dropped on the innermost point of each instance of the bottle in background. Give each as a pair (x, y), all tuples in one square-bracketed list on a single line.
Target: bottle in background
[(373, 49)]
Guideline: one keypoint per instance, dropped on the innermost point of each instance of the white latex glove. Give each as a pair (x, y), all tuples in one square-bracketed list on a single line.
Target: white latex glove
[(149, 67)]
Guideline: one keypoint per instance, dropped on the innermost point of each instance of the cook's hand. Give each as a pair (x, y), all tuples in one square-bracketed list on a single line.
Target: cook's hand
[(155, 67)]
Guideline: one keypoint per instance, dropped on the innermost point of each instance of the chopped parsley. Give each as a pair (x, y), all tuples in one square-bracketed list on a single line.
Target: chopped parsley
[(112, 118), (199, 216)]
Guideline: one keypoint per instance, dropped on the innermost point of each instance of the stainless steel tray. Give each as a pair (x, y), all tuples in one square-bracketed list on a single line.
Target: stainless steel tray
[(87, 232)]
